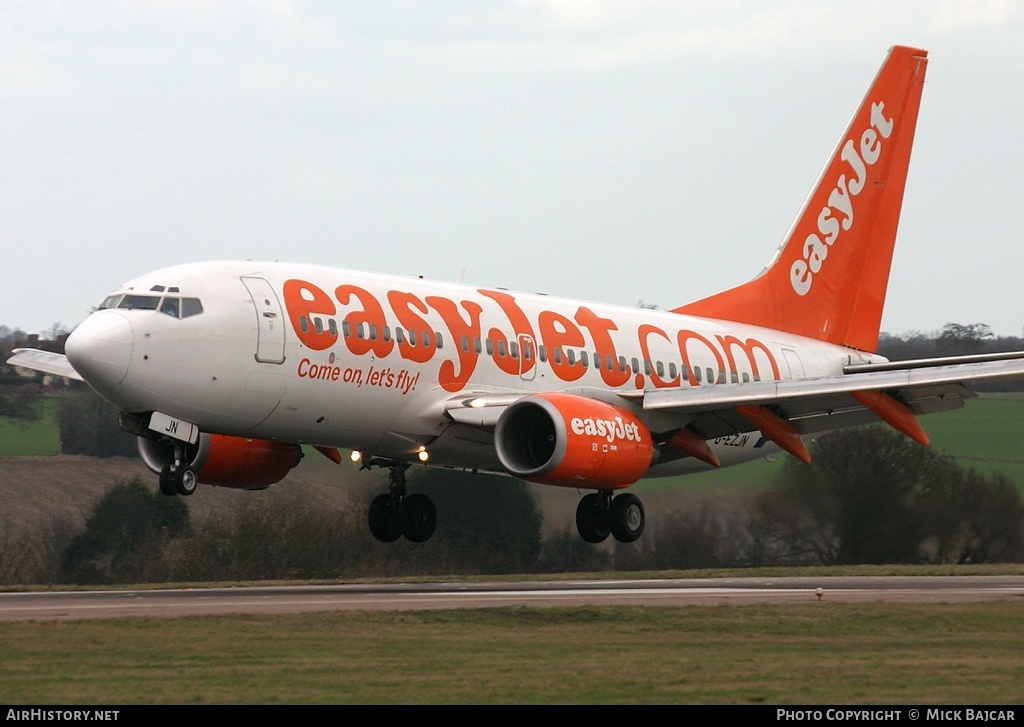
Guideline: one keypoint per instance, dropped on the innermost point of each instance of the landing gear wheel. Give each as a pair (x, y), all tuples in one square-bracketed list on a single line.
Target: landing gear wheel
[(185, 480), (166, 484), (626, 518), (419, 518), (592, 519), (385, 524)]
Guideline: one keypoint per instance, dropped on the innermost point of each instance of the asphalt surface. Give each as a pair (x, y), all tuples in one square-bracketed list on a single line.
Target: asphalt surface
[(168, 603)]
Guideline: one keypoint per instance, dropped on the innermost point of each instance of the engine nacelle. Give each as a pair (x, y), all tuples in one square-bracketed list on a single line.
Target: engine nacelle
[(573, 441), (239, 462)]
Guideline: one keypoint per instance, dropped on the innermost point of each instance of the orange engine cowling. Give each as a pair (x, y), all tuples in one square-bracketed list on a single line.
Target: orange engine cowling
[(239, 462), (573, 441)]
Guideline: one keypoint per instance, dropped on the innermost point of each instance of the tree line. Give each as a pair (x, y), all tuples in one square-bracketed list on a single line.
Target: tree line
[(871, 496)]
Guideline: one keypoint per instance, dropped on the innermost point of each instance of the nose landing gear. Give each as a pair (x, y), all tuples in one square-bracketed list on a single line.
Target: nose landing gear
[(178, 478)]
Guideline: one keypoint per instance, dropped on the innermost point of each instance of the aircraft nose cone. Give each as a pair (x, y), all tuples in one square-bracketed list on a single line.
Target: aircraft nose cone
[(100, 349)]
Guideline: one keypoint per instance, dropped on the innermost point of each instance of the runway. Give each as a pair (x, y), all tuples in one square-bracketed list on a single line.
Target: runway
[(173, 603)]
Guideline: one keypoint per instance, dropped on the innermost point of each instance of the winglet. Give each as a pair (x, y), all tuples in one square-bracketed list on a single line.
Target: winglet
[(829, 277)]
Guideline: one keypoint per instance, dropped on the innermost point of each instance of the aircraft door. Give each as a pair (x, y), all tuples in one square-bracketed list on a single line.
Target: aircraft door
[(269, 320), (527, 357), (796, 367)]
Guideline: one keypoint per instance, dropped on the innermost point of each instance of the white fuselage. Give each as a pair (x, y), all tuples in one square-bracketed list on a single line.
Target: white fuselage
[(340, 358)]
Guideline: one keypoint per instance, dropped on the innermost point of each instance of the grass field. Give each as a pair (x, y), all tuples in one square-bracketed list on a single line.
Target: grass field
[(816, 653), (34, 438)]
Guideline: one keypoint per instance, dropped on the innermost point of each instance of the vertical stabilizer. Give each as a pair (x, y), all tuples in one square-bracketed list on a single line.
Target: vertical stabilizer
[(829, 277)]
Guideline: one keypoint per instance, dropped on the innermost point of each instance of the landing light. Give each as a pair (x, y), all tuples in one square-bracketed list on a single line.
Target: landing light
[(478, 403), (356, 456), (423, 454)]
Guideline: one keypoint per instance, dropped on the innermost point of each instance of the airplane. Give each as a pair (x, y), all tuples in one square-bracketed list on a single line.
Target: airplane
[(224, 370)]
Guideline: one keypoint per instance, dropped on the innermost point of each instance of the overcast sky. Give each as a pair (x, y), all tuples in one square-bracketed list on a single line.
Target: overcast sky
[(606, 150)]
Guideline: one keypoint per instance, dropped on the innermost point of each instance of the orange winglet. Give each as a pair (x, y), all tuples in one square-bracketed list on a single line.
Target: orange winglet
[(776, 429), (688, 441), (893, 413), (330, 453)]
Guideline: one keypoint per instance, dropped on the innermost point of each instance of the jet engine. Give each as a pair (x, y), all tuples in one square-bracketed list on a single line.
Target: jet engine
[(238, 462), (573, 441)]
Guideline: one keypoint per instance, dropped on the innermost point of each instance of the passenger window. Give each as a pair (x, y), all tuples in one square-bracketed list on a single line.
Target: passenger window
[(476, 345), (318, 325), (346, 329), (489, 346), (373, 331), (465, 344), (304, 324), (513, 349), (437, 340), (660, 368), (585, 359), (332, 326), (426, 338)]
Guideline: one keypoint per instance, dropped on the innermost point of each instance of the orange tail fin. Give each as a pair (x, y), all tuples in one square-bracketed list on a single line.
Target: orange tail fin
[(828, 279)]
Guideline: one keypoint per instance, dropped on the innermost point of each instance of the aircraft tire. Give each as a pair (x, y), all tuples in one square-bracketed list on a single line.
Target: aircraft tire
[(166, 483), (385, 525), (626, 518), (419, 518), (185, 481), (592, 519)]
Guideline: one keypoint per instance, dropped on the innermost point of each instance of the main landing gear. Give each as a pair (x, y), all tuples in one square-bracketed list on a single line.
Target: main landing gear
[(395, 514), (598, 514), (178, 478)]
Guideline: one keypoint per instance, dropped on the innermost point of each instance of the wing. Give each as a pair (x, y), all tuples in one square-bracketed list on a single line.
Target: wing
[(894, 392), (45, 361)]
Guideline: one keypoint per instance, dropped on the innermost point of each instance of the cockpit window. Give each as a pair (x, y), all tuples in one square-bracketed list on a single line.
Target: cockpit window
[(171, 307), (191, 307), (140, 302)]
